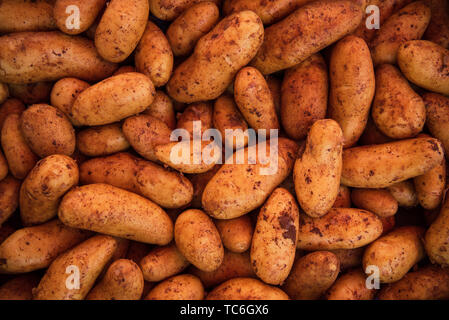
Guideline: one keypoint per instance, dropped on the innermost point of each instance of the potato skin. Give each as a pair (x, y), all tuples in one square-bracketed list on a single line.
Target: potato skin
[(343, 198), (312, 275), (31, 93), (8, 107), (88, 10), (207, 73), (284, 46), (397, 111), (190, 26), (90, 257), (438, 29), (349, 258), (120, 28), (198, 240), (317, 171), (378, 201), (424, 63), (4, 92), (395, 253), (34, 248), (42, 189), (246, 289), (199, 111), (199, 182), (101, 140), (182, 287), (19, 288), (9, 197), (436, 244), (350, 286), (236, 234), (113, 99), (365, 167), (111, 210), (18, 154), (430, 186), (304, 96), (169, 10), (123, 281), (28, 15), (437, 118), (65, 56), (3, 166), (162, 108), (340, 228), (352, 85)]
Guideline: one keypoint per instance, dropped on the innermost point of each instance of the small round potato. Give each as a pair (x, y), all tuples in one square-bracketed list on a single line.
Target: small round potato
[(101, 140), (182, 287), (236, 234)]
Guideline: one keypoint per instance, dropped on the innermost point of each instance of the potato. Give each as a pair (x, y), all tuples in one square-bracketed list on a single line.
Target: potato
[(207, 73), (34, 248), (31, 93), (201, 111), (428, 283), (8, 107), (437, 119), (378, 201), (430, 186), (190, 26), (64, 94), (162, 108), (182, 287), (409, 23), (304, 95), (122, 281), (294, 39), (113, 99), (111, 210), (351, 286), (43, 188), (253, 97), (236, 234), (17, 152), (425, 64), (137, 251), (4, 92), (436, 244), (246, 289), (438, 29), (47, 130), (340, 228), (234, 265), (372, 135), (88, 12), (395, 253), (9, 197), (380, 166), (80, 265), (352, 85), (170, 9), (144, 133), (312, 275), (404, 193), (349, 258), (317, 171), (199, 182), (19, 288), (275, 84), (398, 111), (30, 57), (3, 167), (28, 15), (120, 29), (102, 140), (343, 198)]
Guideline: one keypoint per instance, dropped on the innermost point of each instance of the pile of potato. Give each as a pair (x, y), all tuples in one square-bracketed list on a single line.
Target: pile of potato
[(93, 206)]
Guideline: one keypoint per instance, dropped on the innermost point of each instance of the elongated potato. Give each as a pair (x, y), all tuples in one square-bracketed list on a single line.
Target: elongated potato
[(438, 29), (9, 197), (378, 201), (352, 85), (8, 107), (73, 273), (162, 108), (19, 288), (317, 171), (253, 97), (190, 26), (351, 286), (430, 186), (200, 111), (18, 154), (437, 118), (113, 99), (41, 191), (246, 289), (395, 253), (117, 212), (380, 166), (398, 111), (34, 248), (198, 240), (207, 73), (304, 95), (88, 12), (236, 234), (65, 56), (312, 275), (169, 10), (122, 281), (294, 39), (404, 193), (436, 243), (231, 193), (182, 287), (340, 228), (28, 15), (102, 140), (425, 64)]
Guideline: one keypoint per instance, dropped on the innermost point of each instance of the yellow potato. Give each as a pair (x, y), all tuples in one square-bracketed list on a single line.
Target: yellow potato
[(182, 287), (340, 228), (304, 95), (8, 107), (111, 210), (207, 73), (19, 288), (65, 56), (437, 119), (436, 244), (438, 29), (380, 166), (9, 197), (398, 111), (73, 273), (351, 286), (404, 193), (88, 12), (34, 248), (294, 39), (162, 108), (236, 234), (202, 112), (378, 201), (101, 140), (28, 15), (170, 9)]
